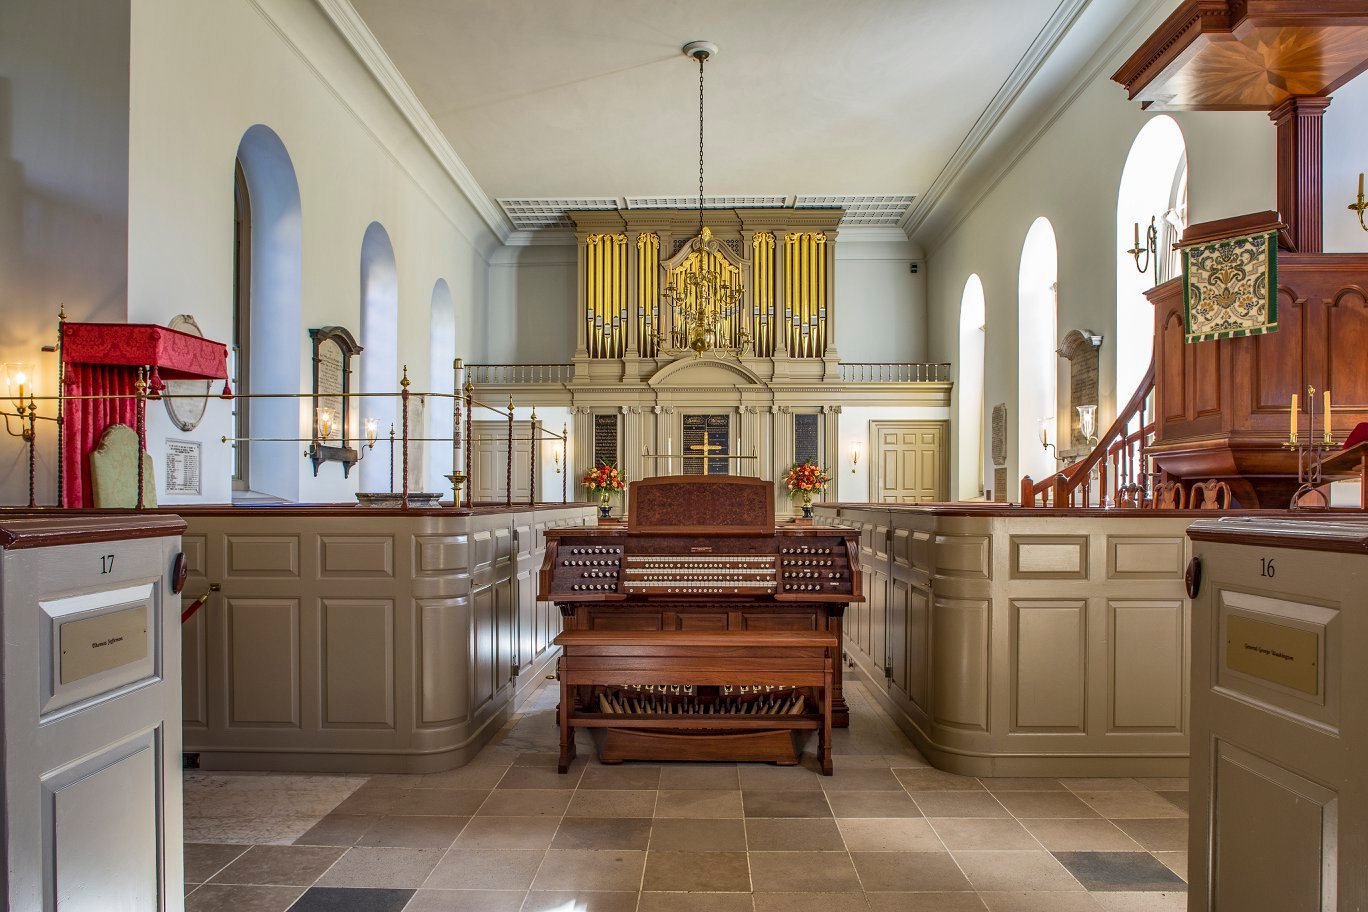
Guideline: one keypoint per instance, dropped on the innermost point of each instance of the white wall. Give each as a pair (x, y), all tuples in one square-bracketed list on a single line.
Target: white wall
[(202, 73), (1346, 156), (881, 305), (1071, 174), (63, 193), (531, 313)]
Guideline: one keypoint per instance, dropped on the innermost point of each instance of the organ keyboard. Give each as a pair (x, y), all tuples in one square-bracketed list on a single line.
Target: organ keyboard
[(702, 553)]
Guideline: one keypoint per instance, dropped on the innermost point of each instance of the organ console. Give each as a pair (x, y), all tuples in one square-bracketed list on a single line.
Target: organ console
[(702, 555)]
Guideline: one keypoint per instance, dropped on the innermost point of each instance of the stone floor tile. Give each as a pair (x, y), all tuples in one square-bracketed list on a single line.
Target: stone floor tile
[(927, 779), (803, 834), (925, 902), (603, 833), (388, 868), (712, 776), (1102, 784), (811, 902), (376, 800), (466, 901), (1009, 871), (695, 902), (785, 804), (909, 872), (525, 803), (440, 802), (205, 859), (803, 872), (613, 803), (1132, 804), (226, 898), (872, 804), (338, 830), (685, 834), (1177, 799), (1092, 834), (779, 778), (485, 869), (889, 834), (1045, 804), (580, 901), (536, 777), (464, 777), (697, 803), (1127, 872), (1021, 784), (1165, 784), (541, 759), (590, 870), (1017, 901), (338, 899), (694, 872), (862, 761), (1177, 862), (860, 780), (970, 833), (279, 866), (624, 777), (1163, 835), (1141, 902), (959, 804), (512, 833), (414, 832)]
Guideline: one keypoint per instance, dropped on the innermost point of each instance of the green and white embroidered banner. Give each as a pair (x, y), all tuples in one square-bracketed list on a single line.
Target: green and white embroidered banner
[(1230, 287)]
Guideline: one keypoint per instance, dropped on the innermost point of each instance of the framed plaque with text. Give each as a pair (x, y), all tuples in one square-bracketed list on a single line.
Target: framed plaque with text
[(333, 349)]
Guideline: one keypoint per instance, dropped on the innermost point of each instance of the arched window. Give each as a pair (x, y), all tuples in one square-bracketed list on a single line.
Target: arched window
[(1037, 357), (267, 329), (972, 336), (442, 352), (380, 359), (1153, 185)]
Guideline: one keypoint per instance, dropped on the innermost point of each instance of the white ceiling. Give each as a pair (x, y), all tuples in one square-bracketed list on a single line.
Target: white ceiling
[(593, 98)]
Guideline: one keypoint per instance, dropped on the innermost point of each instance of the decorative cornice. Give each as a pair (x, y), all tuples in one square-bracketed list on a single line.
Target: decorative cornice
[(364, 44), (1045, 43)]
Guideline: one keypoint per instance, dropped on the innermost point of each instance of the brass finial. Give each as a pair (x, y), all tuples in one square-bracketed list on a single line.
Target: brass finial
[(404, 383), (61, 312)]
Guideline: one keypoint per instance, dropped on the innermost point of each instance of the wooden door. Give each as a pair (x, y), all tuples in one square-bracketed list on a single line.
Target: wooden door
[(910, 462), (489, 461)]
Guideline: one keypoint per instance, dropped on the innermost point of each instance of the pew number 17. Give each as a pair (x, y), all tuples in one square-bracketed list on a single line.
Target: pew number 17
[(106, 564)]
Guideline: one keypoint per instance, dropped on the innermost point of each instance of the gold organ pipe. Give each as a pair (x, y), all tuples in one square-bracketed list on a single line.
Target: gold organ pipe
[(822, 304)]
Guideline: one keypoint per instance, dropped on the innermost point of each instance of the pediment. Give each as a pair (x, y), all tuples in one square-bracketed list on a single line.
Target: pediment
[(702, 372)]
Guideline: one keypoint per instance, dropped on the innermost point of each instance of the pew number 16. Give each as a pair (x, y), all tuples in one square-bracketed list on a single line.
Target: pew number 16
[(1266, 568)]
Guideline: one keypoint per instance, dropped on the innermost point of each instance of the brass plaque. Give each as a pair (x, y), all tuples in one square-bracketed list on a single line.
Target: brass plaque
[(95, 644), (1289, 656)]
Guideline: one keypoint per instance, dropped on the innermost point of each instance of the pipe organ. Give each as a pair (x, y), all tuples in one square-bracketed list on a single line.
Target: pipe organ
[(701, 556), (784, 259)]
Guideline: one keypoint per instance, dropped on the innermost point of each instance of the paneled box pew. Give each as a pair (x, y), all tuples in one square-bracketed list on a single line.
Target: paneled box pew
[(360, 639), (1012, 642)]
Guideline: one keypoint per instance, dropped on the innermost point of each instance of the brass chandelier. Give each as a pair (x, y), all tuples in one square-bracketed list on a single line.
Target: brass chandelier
[(705, 293)]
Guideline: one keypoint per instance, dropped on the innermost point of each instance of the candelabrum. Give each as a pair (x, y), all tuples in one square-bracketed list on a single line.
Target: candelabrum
[(1359, 206), (1310, 450)]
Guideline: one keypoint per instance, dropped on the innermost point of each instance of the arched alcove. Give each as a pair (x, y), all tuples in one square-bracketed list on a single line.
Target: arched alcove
[(969, 391), (270, 335), (442, 352), (1037, 344), (380, 360), (1153, 185)]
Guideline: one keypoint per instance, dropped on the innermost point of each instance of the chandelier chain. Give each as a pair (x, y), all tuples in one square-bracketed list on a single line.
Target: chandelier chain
[(701, 59)]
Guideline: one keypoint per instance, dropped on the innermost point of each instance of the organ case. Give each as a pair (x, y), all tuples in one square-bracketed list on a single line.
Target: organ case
[(702, 554)]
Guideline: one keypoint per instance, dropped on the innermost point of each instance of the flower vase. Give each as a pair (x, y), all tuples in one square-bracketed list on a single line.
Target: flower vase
[(605, 507), (807, 505)]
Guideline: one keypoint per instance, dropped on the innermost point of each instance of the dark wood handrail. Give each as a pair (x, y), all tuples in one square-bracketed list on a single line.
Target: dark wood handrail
[(1067, 480)]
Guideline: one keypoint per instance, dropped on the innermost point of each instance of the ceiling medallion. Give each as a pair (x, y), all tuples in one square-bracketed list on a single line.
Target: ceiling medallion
[(704, 291)]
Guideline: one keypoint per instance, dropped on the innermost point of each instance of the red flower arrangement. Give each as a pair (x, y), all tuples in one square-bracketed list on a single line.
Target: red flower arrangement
[(807, 479), (604, 481)]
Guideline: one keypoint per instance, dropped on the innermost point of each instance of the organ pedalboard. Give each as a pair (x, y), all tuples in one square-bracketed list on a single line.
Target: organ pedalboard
[(812, 569)]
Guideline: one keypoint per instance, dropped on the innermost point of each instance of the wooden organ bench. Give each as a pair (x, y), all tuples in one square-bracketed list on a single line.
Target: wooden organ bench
[(700, 630), (761, 710)]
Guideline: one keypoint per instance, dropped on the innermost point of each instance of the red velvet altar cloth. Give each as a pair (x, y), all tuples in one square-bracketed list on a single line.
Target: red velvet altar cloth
[(102, 359)]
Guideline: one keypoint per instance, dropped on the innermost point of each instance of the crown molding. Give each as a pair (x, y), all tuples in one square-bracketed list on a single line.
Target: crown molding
[(1045, 43), (1114, 45), (366, 46)]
